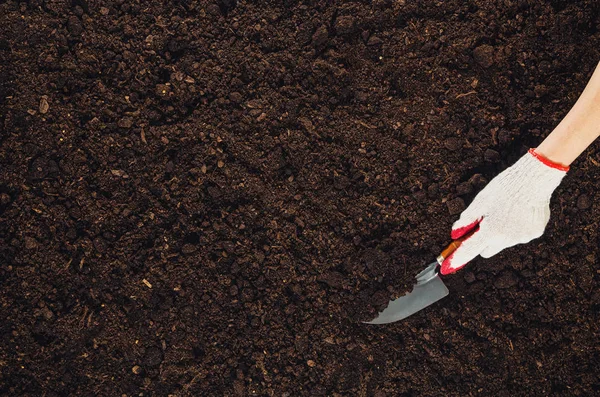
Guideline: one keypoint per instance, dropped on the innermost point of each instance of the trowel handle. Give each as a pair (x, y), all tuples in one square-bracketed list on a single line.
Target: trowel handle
[(453, 246)]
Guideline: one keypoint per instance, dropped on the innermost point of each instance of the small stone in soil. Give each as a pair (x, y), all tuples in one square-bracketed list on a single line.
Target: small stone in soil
[(235, 97), (125, 122), (188, 249), (344, 25), (320, 36), (311, 363), (484, 55), (464, 188), (506, 280), (47, 313), (452, 143), (540, 90), (491, 156), (74, 26), (213, 9), (170, 167), (584, 202), (44, 106), (374, 40), (100, 244), (30, 243), (469, 277), (455, 206), (4, 199), (432, 190), (333, 279), (478, 180), (504, 137)]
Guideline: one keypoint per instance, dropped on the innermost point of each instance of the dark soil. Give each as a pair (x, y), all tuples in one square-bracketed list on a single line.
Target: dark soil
[(205, 198)]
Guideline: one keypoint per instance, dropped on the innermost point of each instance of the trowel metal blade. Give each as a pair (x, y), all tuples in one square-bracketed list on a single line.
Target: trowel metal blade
[(428, 290)]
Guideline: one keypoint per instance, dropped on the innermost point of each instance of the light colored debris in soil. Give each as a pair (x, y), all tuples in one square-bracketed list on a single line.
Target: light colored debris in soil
[(119, 173), (44, 105)]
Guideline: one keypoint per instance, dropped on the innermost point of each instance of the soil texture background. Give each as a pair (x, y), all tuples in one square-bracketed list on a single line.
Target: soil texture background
[(205, 198)]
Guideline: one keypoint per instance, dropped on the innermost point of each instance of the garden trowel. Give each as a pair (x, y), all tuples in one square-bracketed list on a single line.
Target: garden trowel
[(429, 289)]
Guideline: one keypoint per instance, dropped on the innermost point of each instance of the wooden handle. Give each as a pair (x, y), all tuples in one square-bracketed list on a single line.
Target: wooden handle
[(453, 246)]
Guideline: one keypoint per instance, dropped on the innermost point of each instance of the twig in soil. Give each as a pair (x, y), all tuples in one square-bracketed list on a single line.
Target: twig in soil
[(466, 94), (494, 136), (82, 321), (594, 161), (198, 375), (371, 127)]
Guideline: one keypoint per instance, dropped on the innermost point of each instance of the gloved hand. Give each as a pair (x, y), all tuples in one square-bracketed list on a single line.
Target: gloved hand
[(514, 208)]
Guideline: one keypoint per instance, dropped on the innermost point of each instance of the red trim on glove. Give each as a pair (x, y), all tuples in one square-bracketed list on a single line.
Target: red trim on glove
[(547, 162), (461, 231), (447, 268)]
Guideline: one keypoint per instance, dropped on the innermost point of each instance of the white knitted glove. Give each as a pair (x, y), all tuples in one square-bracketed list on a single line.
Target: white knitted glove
[(514, 208)]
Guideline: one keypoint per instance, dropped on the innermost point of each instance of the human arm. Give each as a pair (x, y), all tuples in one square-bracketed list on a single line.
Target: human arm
[(579, 128)]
